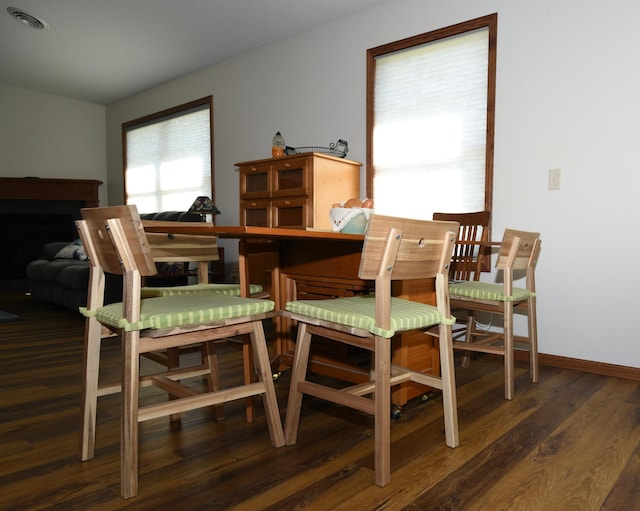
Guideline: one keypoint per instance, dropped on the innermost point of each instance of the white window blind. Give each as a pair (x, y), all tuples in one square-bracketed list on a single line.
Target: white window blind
[(168, 160), (430, 124)]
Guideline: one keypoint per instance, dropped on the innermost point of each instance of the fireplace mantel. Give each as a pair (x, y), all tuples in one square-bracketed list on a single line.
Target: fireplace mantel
[(35, 188)]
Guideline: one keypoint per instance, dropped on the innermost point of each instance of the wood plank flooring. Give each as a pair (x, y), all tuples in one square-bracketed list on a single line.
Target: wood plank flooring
[(570, 442)]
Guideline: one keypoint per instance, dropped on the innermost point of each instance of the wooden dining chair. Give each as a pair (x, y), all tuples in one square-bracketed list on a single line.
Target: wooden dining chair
[(471, 246), (471, 254), (394, 249), (201, 251), (115, 242), (518, 252)]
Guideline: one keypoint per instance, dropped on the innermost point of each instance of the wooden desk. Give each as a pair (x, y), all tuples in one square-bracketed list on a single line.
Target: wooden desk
[(316, 265)]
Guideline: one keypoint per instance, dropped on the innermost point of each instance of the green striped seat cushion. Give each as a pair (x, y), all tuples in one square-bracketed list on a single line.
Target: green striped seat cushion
[(180, 310), (487, 291), (225, 289), (360, 312)]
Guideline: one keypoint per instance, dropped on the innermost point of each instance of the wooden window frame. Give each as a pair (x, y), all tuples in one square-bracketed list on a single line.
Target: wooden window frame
[(163, 114), (491, 23)]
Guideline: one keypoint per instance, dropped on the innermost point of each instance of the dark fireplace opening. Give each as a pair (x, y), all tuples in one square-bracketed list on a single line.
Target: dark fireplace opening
[(27, 226), (35, 211)]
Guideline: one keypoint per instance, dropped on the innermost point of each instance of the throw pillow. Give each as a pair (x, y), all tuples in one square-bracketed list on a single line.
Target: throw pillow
[(73, 250)]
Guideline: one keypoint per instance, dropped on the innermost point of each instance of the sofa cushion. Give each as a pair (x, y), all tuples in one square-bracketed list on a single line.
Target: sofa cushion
[(74, 276), (50, 271)]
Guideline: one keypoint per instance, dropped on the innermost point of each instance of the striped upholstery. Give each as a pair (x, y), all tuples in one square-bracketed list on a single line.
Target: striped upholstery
[(487, 291), (224, 289), (180, 310), (360, 312)]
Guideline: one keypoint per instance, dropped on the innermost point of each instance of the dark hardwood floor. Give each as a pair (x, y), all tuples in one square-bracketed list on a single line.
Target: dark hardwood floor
[(570, 442)]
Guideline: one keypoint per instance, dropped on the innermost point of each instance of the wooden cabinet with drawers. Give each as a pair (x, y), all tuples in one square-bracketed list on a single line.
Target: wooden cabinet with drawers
[(295, 191)]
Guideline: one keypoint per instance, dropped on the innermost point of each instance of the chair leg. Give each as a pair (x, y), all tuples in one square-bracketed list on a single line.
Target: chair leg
[(129, 415), (471, 324), (173, 362), (382, 418), (508, 351), (533, 339), (89, 400), (247, 365), (448, 379), (298, 374), (263, 367), (210, 360), (173, 358)]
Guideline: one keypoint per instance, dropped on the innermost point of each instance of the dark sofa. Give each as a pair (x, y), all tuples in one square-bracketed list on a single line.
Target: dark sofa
[(61, 274)]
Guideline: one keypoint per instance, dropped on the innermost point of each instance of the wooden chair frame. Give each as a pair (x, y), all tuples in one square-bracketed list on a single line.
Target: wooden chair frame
[(116, 243), (390, 253), (202, 250), (471, 251), (181, 248), (519, 251), (471, 256)]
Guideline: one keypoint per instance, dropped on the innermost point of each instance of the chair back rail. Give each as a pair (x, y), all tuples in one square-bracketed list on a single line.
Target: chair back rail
[(521, 255), (177, 248), (398, 248), (185, 248)]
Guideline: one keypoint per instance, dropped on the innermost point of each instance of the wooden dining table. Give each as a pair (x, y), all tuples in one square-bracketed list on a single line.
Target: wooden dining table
[(312, 264)]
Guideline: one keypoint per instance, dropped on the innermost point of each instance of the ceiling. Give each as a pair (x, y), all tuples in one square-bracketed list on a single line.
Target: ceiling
[(102, 51)]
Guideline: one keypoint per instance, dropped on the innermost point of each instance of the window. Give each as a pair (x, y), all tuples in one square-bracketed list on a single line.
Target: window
[(168, 157), (430, 121)]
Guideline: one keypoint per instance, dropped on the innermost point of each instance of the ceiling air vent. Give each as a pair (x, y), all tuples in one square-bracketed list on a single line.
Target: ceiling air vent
[(27, 19)]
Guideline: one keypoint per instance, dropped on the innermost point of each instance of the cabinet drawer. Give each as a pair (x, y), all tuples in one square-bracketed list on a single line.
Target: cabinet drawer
[(255, 212), (254, 181), (290, 177), (294, 212)]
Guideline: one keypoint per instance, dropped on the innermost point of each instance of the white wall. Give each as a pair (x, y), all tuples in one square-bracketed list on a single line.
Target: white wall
[(51, 137), (566, 98)]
